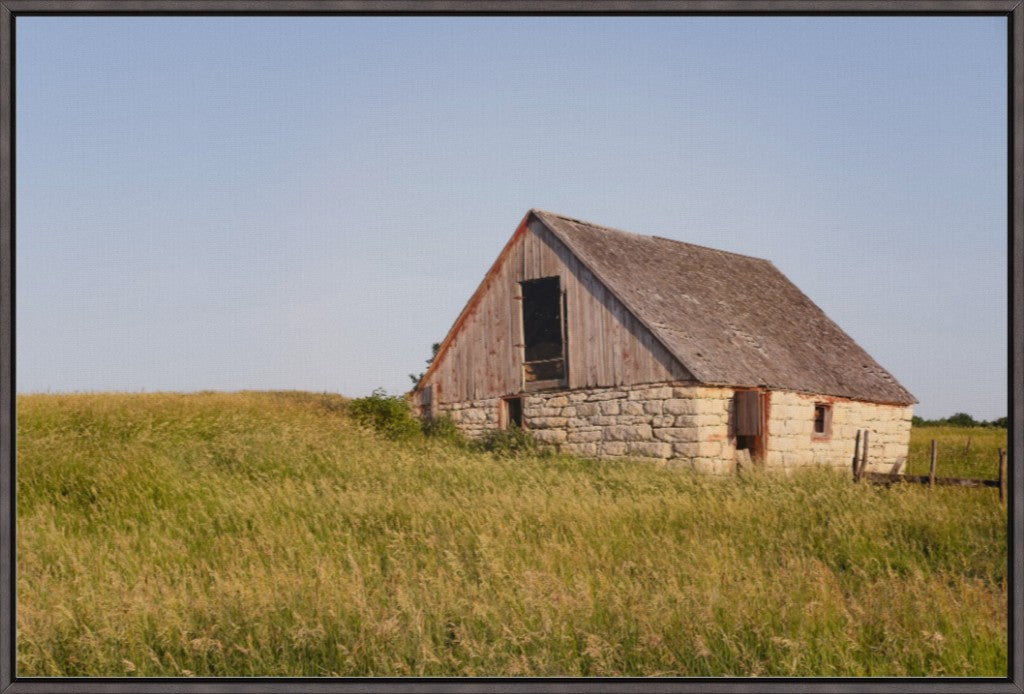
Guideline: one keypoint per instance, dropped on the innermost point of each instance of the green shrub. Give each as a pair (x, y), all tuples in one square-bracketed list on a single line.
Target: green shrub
[(510, 442), (442, 427), (389, 415)]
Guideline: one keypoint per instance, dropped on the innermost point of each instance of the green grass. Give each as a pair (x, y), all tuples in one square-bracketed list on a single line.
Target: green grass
[(266, 534), (960, 451)]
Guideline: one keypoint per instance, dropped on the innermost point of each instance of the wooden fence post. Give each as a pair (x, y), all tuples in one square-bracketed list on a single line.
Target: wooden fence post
[(863, 457), (1002, 475), (931, 471), (856, 454)]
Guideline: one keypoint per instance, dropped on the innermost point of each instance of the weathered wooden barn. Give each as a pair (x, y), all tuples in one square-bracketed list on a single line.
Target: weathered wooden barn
[(605, 343)]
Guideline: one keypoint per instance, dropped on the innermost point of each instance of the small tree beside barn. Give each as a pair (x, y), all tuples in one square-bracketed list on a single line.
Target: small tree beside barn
[(605, 344)]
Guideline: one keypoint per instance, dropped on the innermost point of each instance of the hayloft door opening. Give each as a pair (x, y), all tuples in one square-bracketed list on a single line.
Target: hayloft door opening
[(749, 415), (543, 334)]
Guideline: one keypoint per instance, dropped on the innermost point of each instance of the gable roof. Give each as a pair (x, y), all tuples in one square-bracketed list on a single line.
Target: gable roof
[(730, 319)]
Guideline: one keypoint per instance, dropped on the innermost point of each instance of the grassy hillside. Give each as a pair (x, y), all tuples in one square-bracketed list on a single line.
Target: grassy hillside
[(265, 534)]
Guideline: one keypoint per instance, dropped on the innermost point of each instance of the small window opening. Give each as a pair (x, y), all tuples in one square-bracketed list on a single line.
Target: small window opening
[(543, 336), (513, 413), (822, 419)]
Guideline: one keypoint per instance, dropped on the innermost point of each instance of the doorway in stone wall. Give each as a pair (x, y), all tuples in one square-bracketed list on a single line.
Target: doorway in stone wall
[(750, 422)]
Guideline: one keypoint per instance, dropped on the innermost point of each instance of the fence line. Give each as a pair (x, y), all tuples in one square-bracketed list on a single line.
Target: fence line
[(860, 462)]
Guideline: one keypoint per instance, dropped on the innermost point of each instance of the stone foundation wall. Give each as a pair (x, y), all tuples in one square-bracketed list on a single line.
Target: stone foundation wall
[(792, 445), (689, 426), (473, 418), (685, 424)]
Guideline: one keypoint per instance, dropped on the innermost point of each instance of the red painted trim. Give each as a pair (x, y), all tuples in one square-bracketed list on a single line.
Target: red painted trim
[(827, 436), (761, 442)]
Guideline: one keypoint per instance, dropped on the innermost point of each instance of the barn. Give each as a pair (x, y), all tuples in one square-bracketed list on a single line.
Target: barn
[(607, 344)]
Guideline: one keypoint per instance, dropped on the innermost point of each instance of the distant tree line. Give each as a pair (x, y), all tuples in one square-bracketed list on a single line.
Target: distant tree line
[(960, 419)]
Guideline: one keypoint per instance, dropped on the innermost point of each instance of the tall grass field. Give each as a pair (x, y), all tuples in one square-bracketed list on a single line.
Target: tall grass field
[(267, 534)]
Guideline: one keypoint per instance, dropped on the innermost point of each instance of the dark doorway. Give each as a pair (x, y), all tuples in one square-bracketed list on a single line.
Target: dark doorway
[(749, 422), (513, 412), (543, 334)]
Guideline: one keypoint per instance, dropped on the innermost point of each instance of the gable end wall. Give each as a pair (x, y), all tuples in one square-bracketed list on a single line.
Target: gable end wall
[(607, 346)]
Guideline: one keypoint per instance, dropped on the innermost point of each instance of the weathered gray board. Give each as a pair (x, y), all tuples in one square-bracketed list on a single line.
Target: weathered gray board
[(606, 345)]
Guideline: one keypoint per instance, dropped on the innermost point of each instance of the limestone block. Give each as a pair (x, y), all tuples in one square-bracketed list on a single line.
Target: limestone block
[(653, 406), (550, 436), (632, 407), (678, 407), (686, 450), (577, 422), (651, 449), (547, 422), (558, 401), (613, 448), (844, 432), (544, 412), (675, 435), (781, 443), (606, 395), (656, 393), (714, 408), (641, 432), (705, 420), (686, 420), (474, 415), (577, 396), (789, 398), (585, 436), (569, 411), (589, 450), (604, 420), (709, 449), (610, 407), (630, 419), (588, 409), (665, 420)]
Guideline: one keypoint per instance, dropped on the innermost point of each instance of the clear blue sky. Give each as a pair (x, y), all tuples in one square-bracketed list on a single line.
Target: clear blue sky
[(229, 203)]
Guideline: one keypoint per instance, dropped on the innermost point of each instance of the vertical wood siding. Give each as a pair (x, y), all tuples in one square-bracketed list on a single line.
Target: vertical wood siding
[(606, 345)]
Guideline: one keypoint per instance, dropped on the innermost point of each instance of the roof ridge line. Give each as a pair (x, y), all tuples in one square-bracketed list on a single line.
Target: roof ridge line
[(576, 220)]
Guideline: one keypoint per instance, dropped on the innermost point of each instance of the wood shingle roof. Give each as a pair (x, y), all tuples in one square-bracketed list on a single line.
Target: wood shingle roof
[(730, 319)]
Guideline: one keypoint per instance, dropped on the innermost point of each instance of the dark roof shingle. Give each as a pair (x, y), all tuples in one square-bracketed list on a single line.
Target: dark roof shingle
[(730, 319)]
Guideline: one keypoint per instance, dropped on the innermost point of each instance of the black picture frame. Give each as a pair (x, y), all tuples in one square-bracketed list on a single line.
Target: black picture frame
[(1012, 10)]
